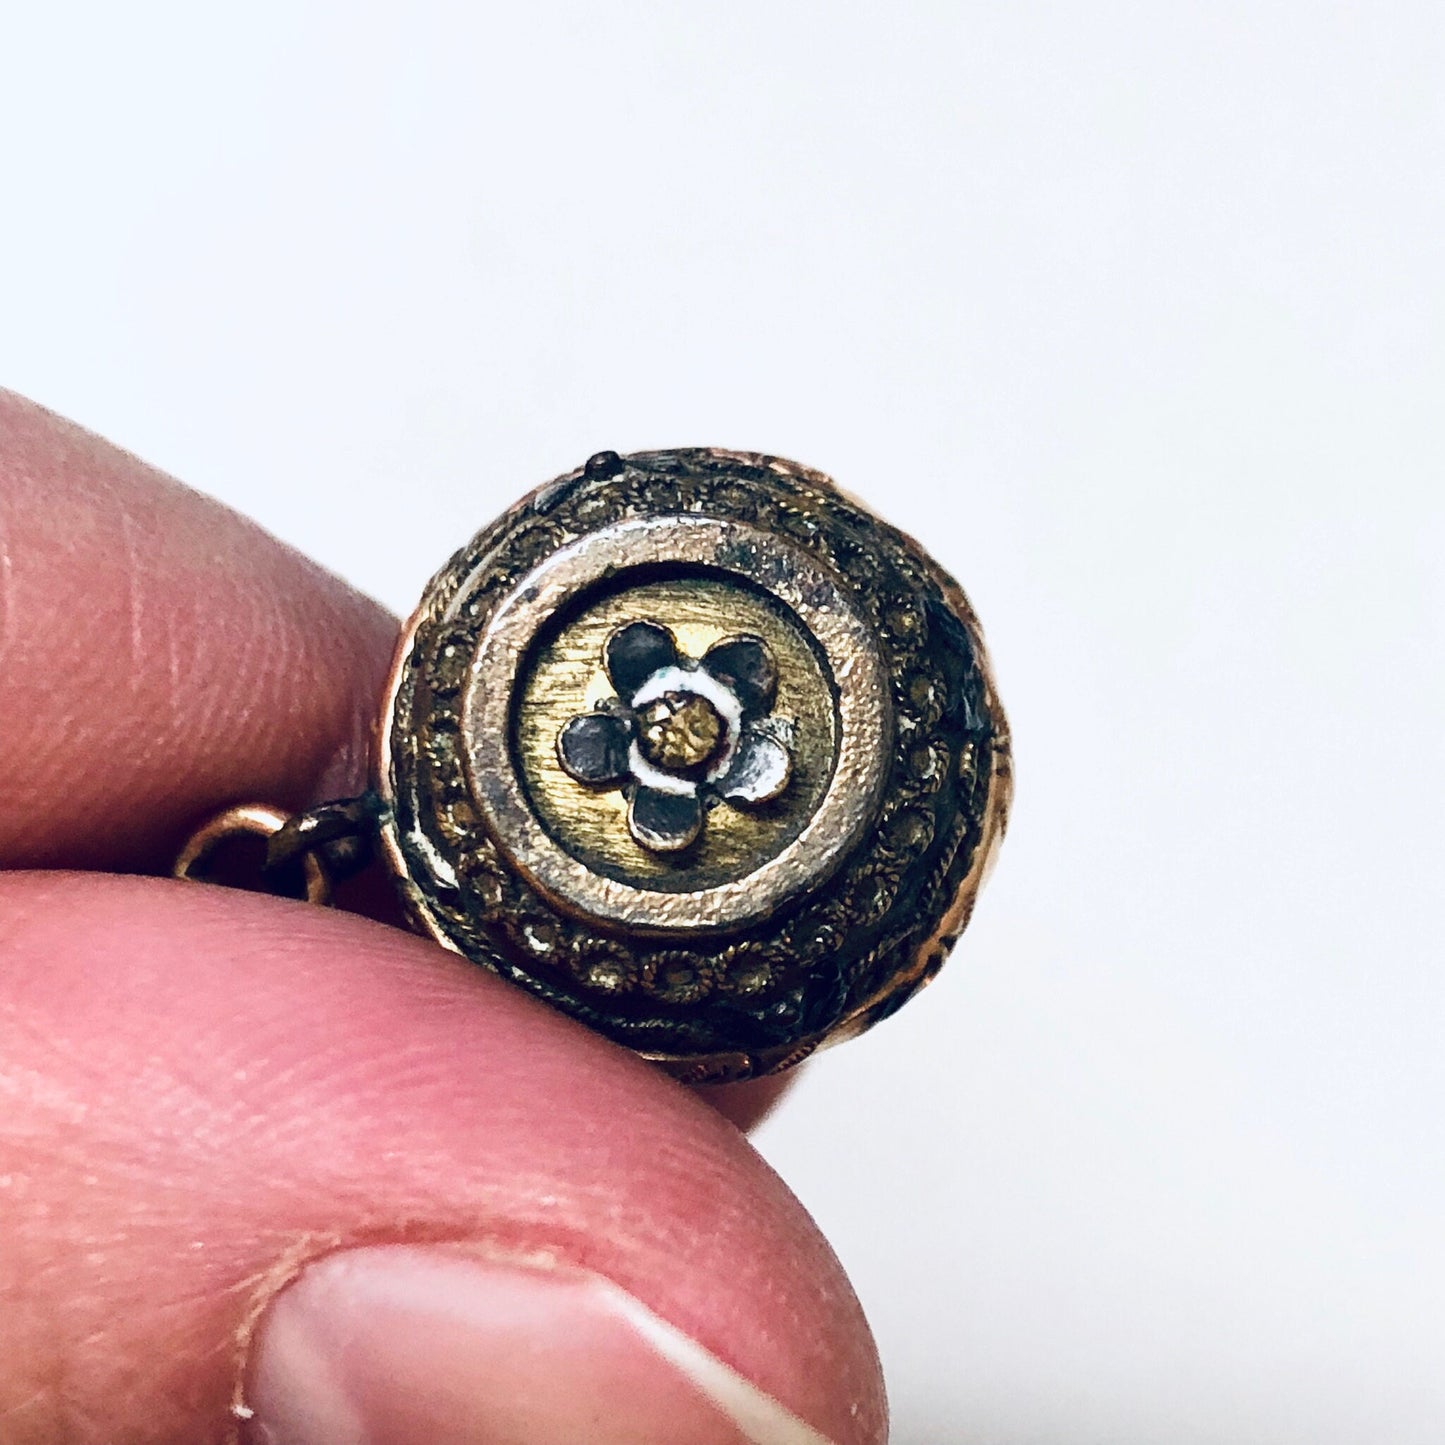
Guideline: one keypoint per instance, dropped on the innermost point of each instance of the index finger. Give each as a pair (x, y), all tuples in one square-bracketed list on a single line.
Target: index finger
[(162, 656)]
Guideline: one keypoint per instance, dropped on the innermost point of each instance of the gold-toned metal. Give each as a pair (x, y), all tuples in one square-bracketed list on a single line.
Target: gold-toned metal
[(257, 820), (800, 855), (566, 676), (690, 745), (679, 731)]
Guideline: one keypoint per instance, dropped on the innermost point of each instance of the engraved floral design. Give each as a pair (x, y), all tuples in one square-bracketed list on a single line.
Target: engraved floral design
[(680, 735)]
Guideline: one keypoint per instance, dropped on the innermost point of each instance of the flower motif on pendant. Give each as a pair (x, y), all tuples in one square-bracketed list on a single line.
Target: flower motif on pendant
[(680, 734)]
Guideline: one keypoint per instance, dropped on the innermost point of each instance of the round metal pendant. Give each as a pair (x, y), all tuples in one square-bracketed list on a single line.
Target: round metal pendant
[(695, 748)]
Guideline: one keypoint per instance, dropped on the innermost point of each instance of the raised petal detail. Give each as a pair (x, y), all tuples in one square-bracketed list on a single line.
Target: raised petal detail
[(634, 652), (593, 748), (745, 665), (759, 771), (664, 822)]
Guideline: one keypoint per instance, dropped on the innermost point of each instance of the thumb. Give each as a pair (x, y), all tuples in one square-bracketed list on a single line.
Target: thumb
[(277, 1173)]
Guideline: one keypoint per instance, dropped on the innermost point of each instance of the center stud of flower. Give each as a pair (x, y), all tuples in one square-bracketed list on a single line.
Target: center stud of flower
[(679, 731)]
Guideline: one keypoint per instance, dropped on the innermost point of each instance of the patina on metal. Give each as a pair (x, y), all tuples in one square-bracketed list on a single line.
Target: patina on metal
[(258, 820), (841, 734), (694, 747)]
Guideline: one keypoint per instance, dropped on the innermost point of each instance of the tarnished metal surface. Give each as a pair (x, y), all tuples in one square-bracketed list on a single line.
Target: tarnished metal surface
[(788, 863), (795, 846), (256, 820), (566, 676)]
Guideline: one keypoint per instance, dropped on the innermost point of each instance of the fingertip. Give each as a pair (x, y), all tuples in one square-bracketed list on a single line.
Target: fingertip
[(407, 1345)]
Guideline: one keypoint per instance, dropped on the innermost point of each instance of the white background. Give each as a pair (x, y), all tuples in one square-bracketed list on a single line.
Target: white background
[(1135, 313)]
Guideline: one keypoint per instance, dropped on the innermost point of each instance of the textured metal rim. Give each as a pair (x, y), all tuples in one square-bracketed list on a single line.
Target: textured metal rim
[(785, 571)]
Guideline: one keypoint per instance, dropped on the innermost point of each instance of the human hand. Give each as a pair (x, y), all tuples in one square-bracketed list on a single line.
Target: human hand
[(273, 1171)]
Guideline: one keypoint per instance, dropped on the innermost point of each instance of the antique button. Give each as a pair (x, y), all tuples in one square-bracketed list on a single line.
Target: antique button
[(695, 748)]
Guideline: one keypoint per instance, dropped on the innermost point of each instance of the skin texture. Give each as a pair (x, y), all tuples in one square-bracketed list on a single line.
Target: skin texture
[(204, 662), (201, 1091)]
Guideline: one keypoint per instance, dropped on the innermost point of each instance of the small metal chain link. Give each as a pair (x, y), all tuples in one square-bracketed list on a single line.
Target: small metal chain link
[(341, 833), (307, 854)]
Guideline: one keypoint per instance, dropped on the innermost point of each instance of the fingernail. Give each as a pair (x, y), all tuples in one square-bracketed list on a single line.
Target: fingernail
[(402, 1345)]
